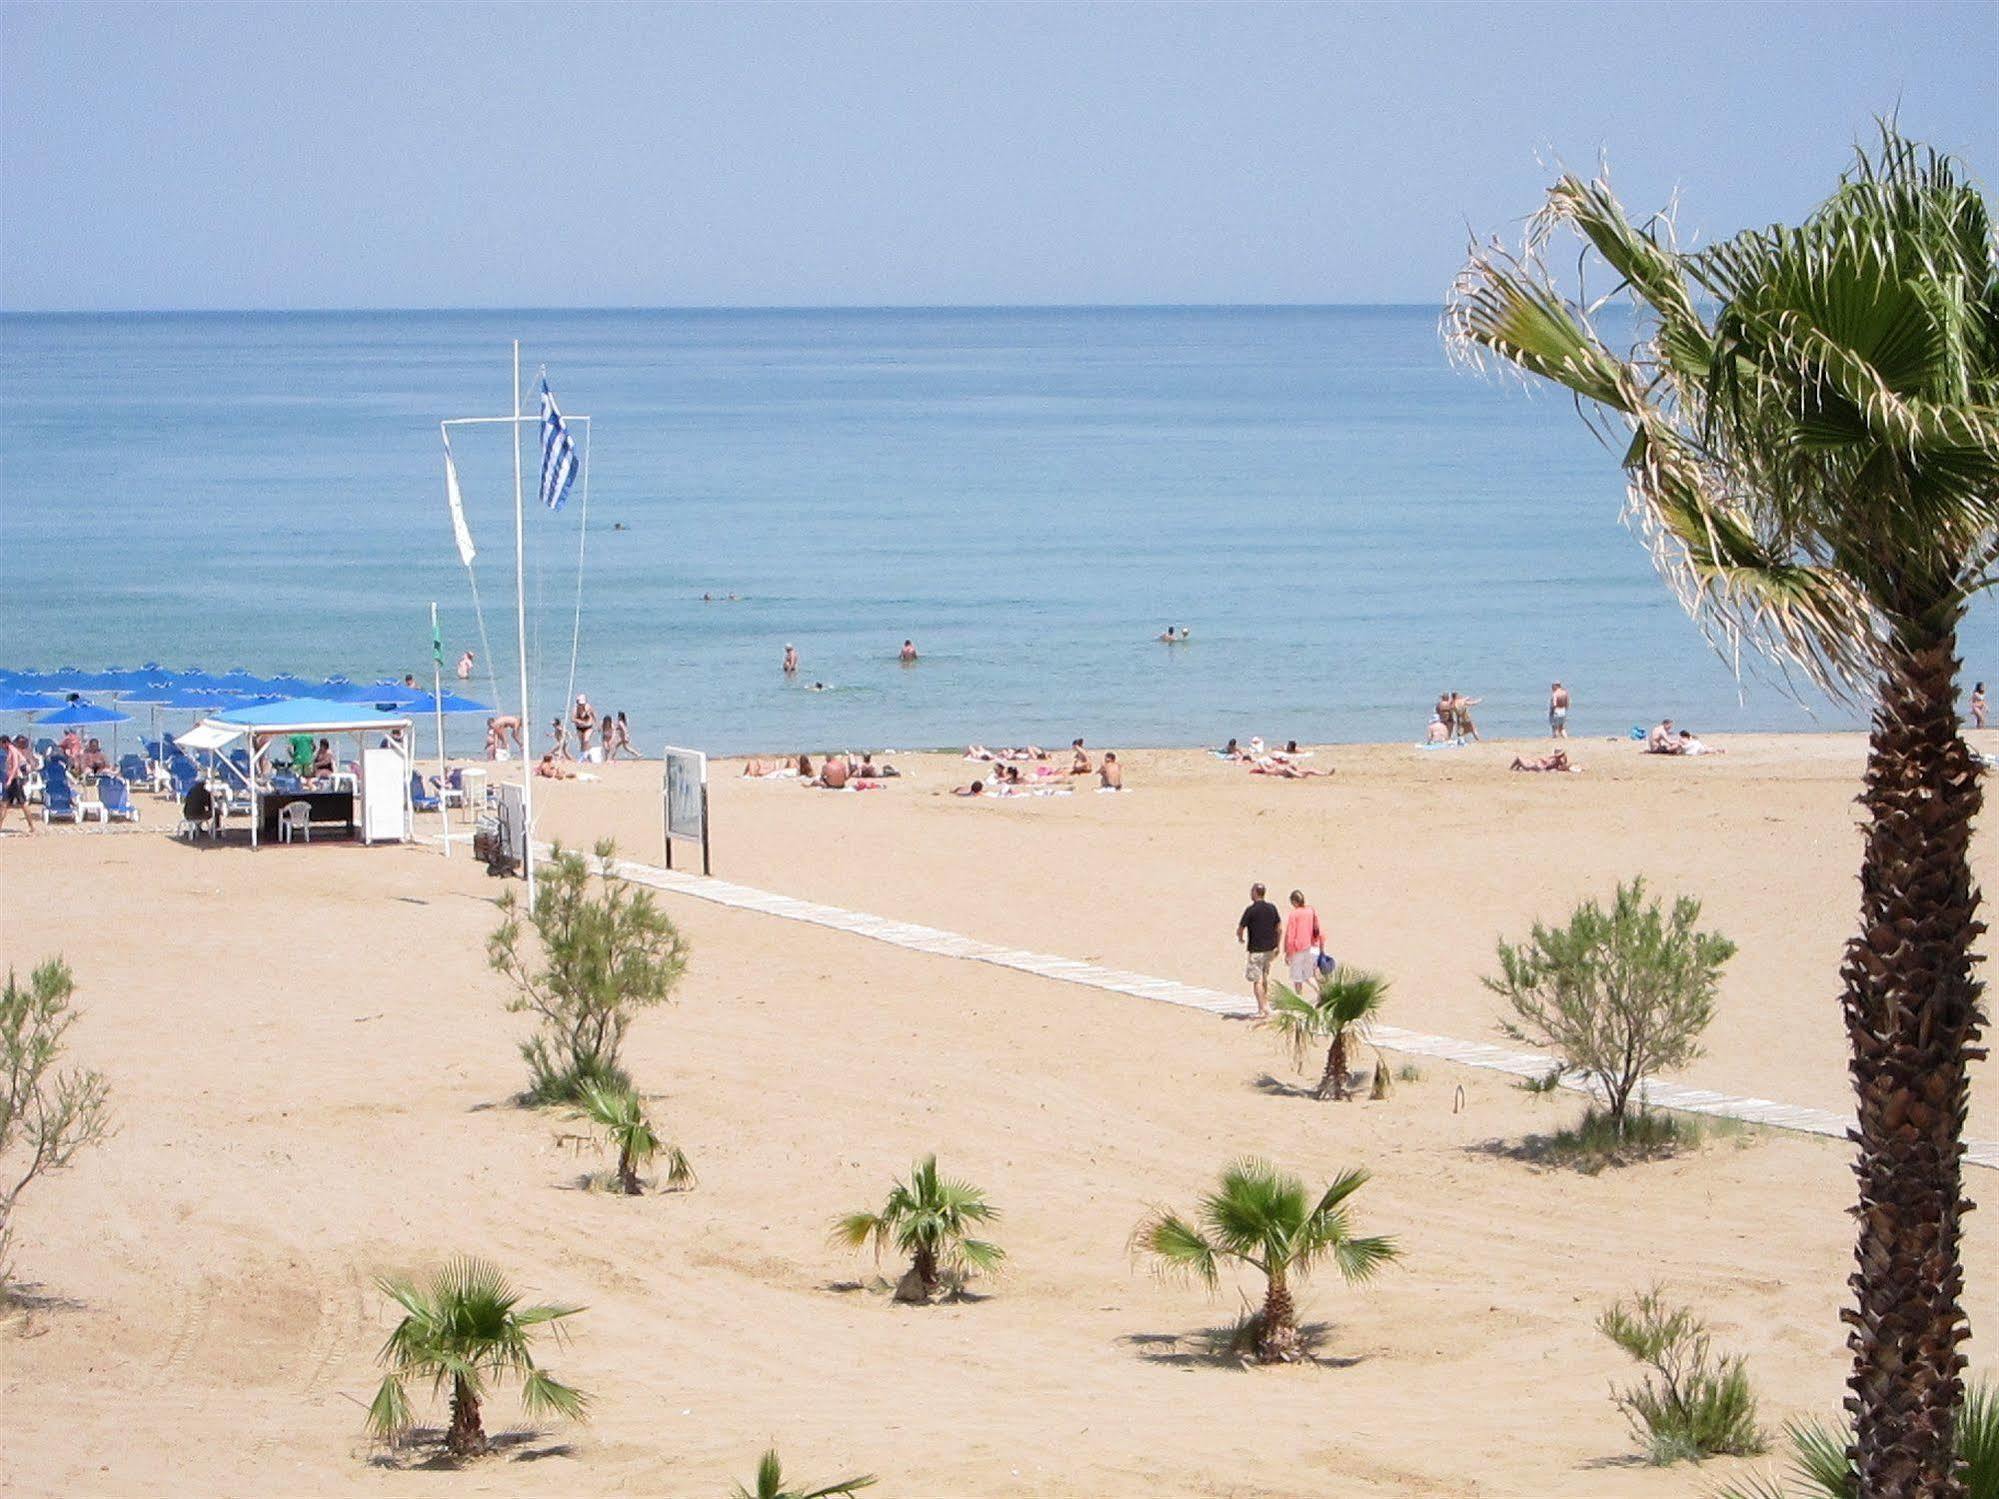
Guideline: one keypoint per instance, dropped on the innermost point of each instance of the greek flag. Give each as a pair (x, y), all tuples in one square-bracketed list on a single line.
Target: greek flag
[(558, 452)]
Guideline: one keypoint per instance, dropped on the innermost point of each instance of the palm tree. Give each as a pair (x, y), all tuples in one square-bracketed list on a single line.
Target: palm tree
[(770, 1484), (621, 1115), (1822, 1466), (1809, 425), (467, 1328), (929, 1219), (1347, 1000), (1262, 1218)]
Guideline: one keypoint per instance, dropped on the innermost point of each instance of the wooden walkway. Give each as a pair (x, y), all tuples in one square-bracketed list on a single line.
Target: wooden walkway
[(1656, 1093)]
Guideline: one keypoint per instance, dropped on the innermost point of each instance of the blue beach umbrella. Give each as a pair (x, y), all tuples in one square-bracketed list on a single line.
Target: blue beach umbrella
[(451, 702), (20, 700), (78, 714)]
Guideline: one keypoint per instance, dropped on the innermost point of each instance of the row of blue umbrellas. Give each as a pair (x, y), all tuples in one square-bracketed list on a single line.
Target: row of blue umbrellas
[(156, 686)]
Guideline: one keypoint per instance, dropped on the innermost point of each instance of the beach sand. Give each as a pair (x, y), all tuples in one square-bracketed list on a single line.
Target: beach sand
[(313, 1074)]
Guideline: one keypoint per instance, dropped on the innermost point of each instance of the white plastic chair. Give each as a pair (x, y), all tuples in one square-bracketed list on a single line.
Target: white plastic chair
[(295, 817)]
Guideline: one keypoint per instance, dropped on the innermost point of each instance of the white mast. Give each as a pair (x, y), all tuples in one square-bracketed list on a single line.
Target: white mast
[(521, 642)]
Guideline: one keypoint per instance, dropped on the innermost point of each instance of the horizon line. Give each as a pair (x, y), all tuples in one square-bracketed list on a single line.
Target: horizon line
[(482, 308)]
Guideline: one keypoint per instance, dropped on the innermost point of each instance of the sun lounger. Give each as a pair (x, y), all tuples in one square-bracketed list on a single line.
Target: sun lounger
[(421, 799), (59, 800), (114, 800)]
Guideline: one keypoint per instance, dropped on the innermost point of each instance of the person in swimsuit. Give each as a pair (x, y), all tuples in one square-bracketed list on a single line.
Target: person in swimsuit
[(1558, 712), (1110, 773), (1079, 759), (559, 736), (14, 779), (465, 667), (791, 660), (585, 719), (1978, 706), (1461, 707), (908, 652), (1557, 761)]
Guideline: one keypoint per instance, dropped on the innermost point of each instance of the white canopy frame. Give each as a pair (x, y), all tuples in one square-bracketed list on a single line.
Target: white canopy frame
[(398, 734)]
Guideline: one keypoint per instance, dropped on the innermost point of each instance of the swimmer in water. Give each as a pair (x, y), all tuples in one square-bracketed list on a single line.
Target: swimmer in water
[(1175, 636), (817, 687), (791, 661), (908, 651)]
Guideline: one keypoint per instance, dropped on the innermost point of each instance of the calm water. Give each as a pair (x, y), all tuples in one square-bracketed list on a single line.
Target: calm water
[(1347, 523)]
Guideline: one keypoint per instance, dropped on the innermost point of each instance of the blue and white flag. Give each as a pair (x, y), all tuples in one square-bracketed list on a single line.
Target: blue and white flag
[(558, 452)]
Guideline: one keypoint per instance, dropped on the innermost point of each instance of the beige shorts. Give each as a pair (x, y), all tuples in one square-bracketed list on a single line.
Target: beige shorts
[(1257, 969)]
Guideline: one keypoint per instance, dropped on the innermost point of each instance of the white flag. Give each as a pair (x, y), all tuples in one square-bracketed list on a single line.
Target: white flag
[(462, 532)]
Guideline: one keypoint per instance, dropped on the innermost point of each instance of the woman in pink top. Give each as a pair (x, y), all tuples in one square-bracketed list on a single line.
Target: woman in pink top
[(1303, 942)]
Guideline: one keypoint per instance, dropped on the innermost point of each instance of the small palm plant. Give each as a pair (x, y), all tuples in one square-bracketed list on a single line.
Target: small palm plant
[(1262, 1218), (770, 1484), (465, 1327), (620, 1116), (930, 1219), (1338, 1014)]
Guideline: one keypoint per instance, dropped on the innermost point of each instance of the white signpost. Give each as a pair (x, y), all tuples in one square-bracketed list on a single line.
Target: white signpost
[(684, 794)]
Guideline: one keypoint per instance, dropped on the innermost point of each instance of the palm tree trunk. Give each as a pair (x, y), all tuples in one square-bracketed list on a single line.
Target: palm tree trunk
[(926, 1271), (1911, 1010), (628, 1174), (467, 1437), (1333, 1084), (1277, 1325)]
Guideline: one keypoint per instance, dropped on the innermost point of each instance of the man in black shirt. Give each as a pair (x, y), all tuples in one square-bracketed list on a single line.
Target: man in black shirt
[(1258, 931)]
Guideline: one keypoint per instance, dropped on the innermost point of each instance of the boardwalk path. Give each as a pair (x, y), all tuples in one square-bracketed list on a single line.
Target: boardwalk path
[(1394, 1038)]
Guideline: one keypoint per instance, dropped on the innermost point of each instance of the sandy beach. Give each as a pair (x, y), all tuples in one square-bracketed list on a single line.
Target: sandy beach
[(313, 1075)]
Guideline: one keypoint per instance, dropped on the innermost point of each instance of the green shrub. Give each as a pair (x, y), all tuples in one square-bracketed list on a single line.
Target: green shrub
[(1691, 1405), (600, 953), (46, 1116), (1615, 994)]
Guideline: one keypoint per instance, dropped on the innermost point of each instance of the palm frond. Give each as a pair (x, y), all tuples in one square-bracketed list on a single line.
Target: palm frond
[(679, 1170), (389, 1414), (1178, 1247), (544, 1395)]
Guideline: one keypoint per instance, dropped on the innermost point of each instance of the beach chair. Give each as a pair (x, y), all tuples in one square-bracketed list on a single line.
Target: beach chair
[(295, 818), (59, 800), (421, 799), (114, 800), (182, 774), (133, 768), (451, 789)]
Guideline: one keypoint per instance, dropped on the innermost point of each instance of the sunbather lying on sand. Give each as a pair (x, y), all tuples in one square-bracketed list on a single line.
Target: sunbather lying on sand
[(1559, 761), (1277, 765), (977, 788)]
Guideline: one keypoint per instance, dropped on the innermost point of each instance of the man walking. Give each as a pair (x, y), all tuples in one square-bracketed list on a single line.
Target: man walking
[(1258, 931), (1558, 712)]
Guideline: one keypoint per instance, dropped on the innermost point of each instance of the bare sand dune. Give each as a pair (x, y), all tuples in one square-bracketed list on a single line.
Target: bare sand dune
[(313, 1073)]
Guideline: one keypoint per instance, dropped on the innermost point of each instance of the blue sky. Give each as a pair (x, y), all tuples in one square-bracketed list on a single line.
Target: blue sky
[(353, 155)]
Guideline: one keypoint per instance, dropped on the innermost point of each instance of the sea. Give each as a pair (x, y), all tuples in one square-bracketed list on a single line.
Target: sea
[(1344, 522)]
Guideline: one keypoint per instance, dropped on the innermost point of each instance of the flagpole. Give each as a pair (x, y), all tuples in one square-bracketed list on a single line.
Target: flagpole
[(521, 643), (437, 702)]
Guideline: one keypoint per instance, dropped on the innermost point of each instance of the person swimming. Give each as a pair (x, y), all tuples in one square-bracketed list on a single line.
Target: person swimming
[(908, 652)]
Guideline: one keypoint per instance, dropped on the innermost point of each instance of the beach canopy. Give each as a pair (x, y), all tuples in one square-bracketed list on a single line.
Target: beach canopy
[(451, 702), (209, 736), (309, 715), (79, 714)]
